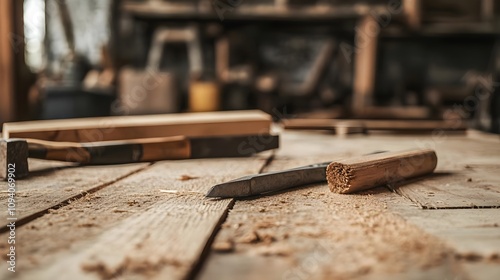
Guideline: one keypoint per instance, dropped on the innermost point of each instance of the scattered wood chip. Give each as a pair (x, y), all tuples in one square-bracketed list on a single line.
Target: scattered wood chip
[(186, 178), (265, 224), (132, 203), (267, 238), (87, 225), (169, 191), (179, 192), (277, 250), (223, 246), (251, 237)]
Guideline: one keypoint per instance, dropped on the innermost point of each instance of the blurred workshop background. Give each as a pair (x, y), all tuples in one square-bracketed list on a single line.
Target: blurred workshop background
[(318, 59)]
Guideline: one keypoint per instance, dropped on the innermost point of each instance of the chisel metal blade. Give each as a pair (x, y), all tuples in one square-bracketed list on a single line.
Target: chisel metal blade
[(270, 182)]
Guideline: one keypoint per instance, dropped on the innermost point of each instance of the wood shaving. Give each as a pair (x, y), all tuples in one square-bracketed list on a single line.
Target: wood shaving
[(223, 246), (169, 191), (186, 178), (251, 237), (277, 250)]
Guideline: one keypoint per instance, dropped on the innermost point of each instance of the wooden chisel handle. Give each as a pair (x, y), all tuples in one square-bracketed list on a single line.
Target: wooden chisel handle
[(112, 152), (357, 174)]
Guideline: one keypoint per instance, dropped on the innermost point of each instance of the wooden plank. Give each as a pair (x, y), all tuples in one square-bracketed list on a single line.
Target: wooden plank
[(131, 127), (6, 62), (249, 12), (372, 125), (131, 229), (475, 187), (482, 270), (310, 233), (472, 233), (52, 184), (466, 176), (347, 237), (393, 112)]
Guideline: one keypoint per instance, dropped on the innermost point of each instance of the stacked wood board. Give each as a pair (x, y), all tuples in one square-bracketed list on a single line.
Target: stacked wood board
[(132, 127)]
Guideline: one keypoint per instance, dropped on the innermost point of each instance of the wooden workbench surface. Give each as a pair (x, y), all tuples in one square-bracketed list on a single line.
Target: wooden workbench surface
[(151, 221)]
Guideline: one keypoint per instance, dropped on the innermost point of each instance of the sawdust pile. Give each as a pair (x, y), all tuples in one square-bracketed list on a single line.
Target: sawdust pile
[(343, 236)]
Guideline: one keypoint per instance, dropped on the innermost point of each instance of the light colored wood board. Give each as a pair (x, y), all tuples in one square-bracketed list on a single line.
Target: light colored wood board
[(470, 235), (482, 270), (131, 226), (132, 127), (467, 174), (300, 219), (473, 234), (483, 136), (280, 268), (477, 187), (52, 184), (310, 233), (170, 234)]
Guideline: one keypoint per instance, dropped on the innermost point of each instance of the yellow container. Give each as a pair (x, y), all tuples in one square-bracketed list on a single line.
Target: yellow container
[(204, 96)]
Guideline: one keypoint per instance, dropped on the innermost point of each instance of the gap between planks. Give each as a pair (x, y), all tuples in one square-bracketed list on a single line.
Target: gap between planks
[(180, 225), (208, 246)]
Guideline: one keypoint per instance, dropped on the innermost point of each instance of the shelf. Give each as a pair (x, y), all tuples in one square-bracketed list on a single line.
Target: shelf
[(168, 11)]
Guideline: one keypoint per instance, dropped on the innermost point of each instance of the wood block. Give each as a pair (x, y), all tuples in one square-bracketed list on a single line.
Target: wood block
[(13, 156), (132, 127)]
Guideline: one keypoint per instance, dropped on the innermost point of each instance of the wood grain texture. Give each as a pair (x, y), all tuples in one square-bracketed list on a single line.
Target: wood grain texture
[(152, 225), (40, 192), (478, 186), (309, 233), (473, 234), (132, 230), (132, 127)]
